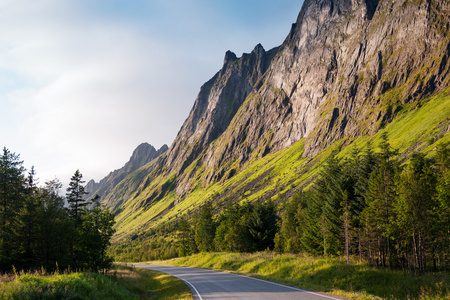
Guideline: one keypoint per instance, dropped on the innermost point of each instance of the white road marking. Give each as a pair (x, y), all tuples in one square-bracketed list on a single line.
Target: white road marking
[(287, 286), (192, 287)]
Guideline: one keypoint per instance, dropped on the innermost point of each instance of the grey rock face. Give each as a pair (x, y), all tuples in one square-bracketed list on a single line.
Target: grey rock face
[(216, 105), (344, 70)]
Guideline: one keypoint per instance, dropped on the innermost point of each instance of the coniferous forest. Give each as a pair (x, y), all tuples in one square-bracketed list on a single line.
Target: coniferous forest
[(37, 229), (370, 206)]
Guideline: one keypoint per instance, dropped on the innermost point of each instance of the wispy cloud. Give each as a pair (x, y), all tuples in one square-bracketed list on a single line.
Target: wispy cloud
[(82, 83)]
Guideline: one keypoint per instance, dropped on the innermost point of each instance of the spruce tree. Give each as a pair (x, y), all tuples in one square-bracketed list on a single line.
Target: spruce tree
[(75, 196), (12, 199), (262, 226), (380, 196), (415, 206), (205, 229)]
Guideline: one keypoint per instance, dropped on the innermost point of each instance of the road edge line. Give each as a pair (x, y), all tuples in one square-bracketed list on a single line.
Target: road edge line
[(287, 286), (196, 291)]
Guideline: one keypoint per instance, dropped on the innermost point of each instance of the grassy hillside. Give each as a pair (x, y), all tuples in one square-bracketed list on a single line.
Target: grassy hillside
[(333, 276), (418, 127)]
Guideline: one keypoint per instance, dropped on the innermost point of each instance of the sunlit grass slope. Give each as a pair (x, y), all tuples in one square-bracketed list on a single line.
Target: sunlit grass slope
[(418, 127)]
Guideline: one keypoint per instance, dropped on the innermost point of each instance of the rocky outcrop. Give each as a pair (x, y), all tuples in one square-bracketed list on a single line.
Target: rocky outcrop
[(141, 156)]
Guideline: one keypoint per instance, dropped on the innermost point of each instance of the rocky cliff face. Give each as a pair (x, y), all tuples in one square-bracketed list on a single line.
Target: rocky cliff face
[(216, 105), (345, 70), (141, 156)]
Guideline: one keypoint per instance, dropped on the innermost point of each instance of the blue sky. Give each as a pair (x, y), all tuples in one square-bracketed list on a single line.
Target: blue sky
[(84, 82)]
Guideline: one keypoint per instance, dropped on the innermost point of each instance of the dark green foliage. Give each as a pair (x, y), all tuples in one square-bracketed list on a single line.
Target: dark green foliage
[(12, 199), (186, 238), (205, 229), (246, 228), (37, 231), (367, 206), (94, 238), (231, 234), (262, 226), (75, 195), (415, 207), (291, 226)]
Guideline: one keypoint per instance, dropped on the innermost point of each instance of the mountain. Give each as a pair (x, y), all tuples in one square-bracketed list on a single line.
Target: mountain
[(142, 155), (261, 126)]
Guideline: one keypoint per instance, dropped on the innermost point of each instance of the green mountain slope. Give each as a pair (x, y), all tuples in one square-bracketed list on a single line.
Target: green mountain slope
[(262, 126), (418, 127)]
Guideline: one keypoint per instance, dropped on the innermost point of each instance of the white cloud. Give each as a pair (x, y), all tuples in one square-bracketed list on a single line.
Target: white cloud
[(82, 88)]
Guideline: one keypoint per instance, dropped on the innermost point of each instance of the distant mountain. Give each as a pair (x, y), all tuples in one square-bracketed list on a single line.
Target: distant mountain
[(347, 69), (142, 155)]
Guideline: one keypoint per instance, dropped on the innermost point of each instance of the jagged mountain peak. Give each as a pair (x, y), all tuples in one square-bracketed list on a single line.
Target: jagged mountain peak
[(142, 155), (229, 57)]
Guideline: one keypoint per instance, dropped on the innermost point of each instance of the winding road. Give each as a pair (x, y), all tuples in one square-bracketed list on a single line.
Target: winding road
[(206, 284)]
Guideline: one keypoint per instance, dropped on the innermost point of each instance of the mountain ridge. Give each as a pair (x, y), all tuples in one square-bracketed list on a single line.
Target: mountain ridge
[(346, 70), (142, 155)]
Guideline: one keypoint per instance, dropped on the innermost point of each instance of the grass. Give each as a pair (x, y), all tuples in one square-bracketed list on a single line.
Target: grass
[(122, 283), (61, 286), (329, 275), (150, 284)]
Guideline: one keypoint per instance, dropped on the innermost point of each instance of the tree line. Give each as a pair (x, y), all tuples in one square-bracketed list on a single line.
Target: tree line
[(371, 207), (367, 206), (37, 229)]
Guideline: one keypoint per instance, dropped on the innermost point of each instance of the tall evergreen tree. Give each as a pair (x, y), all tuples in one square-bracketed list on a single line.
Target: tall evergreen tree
[(205, 229), (262, 226), (75, 195), (442, 226), (380, 195), (186, 242), (292, 225), (415, 206), (12, 199)]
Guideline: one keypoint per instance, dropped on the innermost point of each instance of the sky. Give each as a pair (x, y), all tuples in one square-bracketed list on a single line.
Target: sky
[(84, 82)]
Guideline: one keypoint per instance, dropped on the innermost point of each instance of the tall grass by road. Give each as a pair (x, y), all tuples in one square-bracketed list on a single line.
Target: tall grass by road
[(62, 286), (330, 275), (121, 283)]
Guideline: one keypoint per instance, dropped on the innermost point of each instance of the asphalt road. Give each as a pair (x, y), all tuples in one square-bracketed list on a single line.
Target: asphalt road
[(206, 284)]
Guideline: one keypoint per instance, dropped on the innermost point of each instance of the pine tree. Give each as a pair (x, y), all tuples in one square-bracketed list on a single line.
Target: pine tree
[(12, 199), (95, 234), (415, 206), (186, 242), (262, 226), (313, 237), (55, 230), (205, 229), (380, 196), (75, 195), (292, 225), (442, 226)]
